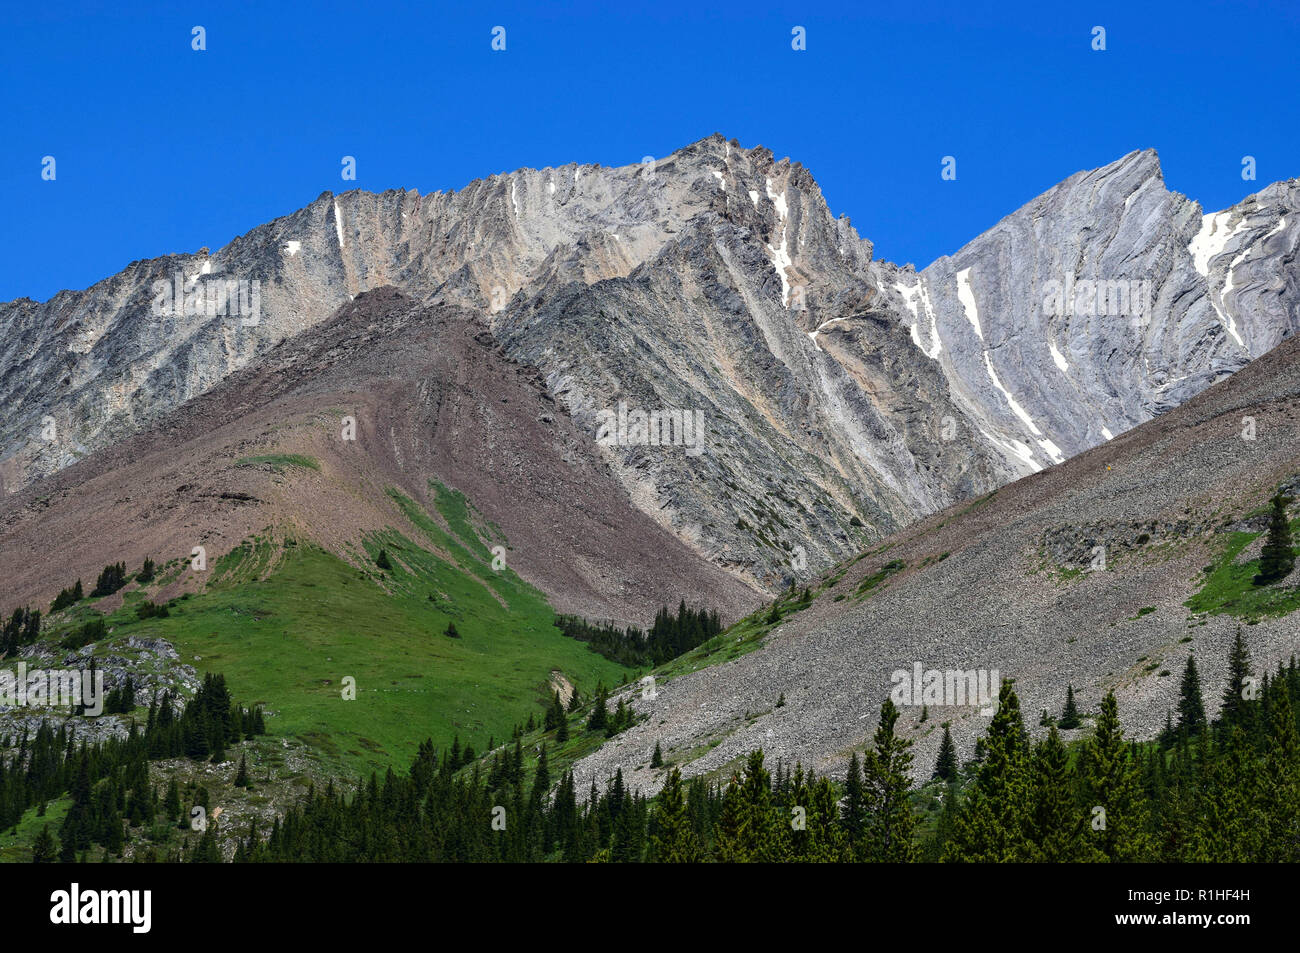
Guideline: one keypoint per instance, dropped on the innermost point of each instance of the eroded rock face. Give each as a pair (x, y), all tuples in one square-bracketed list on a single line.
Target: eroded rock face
[(840, 396), (1107, 300)]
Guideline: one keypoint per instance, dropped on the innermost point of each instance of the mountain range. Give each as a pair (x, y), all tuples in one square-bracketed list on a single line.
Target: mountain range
[(679, 380), (842, 396)]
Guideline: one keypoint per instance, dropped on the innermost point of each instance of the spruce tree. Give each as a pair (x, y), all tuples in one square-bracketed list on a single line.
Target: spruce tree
[(749, 829), (43, 848), (1234, 707), (599, 719), (1191, 707), (1228, 828), (1112, 782), (855, 804), (990, 826), (172, 801), (886, 782), (657, 758), (1277, 558), (1279, 783), (1070, 716), (1055, 824), (675, 840), (945, 766)]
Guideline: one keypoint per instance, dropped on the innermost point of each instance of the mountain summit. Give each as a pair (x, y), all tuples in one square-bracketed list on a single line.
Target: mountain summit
[(838, 396)]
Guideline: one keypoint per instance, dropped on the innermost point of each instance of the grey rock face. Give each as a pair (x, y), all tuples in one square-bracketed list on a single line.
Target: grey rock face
[(986, 589), (840, 396), (1106, 301)]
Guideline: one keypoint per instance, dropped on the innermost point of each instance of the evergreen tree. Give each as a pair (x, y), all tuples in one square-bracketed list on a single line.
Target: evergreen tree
[(657, 758), (855, 804), (1234, 707), (599, 719), (1227, 828), (1070, 716), (383, 562), (43, 848), (945, 766), (749, 829), (172, 801), (1279, 783), (675, 840), (1055, 825), (1112, 782), (1191, 707), (886, 771), (990, 825), (1277, 558)]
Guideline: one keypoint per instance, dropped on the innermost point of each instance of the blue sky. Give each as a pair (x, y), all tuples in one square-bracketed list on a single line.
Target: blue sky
[(163, 149)]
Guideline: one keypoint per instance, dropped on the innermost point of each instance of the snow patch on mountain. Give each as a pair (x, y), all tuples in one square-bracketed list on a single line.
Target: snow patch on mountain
[(967, 299)]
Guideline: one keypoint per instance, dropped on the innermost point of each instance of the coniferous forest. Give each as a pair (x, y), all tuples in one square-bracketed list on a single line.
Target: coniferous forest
[(669, 636), (1224, 790)]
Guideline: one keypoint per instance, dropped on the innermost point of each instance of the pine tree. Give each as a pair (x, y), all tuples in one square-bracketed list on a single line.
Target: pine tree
[(855, 805), (241, 779), (886, 771), (749, 829), (1112, 782), (172, 801), (675, 840), (1279, 783), (1055, 825), (1070, 716), (599, 719), (657, 758), (383, 562), (1277, 558), (43, 848), (1191, 707), (990, 826), (1234, 696), (945, 766), (1227, 828)]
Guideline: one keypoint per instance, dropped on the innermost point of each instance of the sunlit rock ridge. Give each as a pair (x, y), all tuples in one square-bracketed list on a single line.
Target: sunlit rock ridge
[(842, 396)]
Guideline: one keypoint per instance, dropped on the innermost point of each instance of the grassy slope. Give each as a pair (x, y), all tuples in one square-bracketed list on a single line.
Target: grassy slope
[(1229, 587), (287, 622)]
